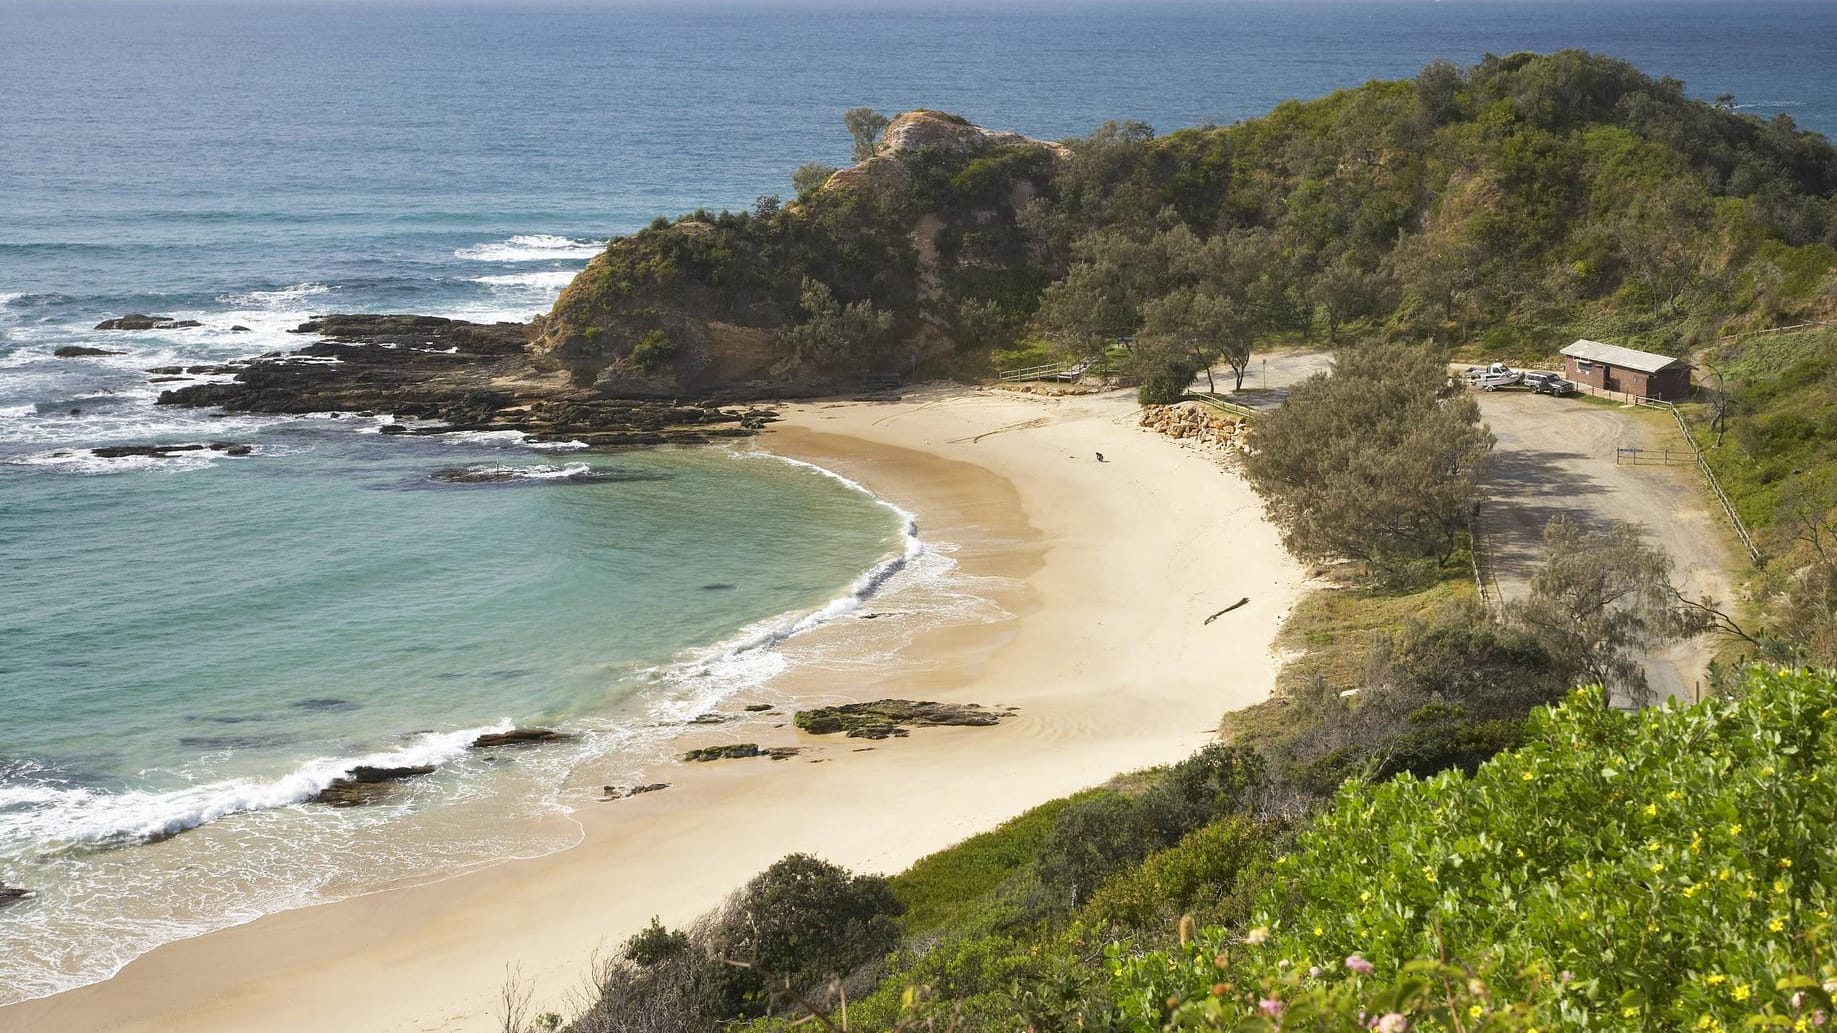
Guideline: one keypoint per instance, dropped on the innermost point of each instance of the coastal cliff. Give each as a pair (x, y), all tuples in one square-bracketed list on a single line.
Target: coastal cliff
[(899, 260)]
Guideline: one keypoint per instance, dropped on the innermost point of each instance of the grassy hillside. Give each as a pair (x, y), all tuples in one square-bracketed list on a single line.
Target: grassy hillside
[(1519, 203)]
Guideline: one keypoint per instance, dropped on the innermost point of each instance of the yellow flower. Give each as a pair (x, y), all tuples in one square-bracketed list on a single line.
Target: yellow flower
[(1735, 829), (1674, 795), (1766, 771), (1528, 776), (1742, 992), (1475, 1010), (1785, 862), (1629, 1011), (1715, 979), (1584, 916), (1723, 875), (1318, 931), (1777, 924), (1779, 885), (1657, 866), (1651, 810), (1365, 896), (1429, 874), (1691, 890), (1519, 854)]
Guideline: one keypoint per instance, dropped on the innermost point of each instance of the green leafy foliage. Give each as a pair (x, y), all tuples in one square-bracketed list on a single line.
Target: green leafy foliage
[(1660, 869)]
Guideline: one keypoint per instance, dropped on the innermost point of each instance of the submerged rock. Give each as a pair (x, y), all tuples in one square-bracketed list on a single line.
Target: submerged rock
[(367, 783), (886, 718), (12, 894), (758, 708), (72, 351), (520, 737)]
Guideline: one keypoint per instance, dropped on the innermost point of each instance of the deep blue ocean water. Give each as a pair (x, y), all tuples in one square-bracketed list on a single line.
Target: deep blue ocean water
[(194, 643)]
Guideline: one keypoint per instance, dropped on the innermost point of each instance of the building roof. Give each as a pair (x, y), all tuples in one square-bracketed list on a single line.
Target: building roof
[(1625, 358)]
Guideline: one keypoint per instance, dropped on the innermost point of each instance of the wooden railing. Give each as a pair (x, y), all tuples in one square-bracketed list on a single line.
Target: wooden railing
[(1709, 476), (1221, 403)]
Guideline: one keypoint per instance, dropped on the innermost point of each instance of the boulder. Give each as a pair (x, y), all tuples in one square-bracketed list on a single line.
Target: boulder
[(142, 321), (886, 718), (732, 751), (367, 783), (72, 351), (520, 737), (758, 708), (615, 793), (240, 329)]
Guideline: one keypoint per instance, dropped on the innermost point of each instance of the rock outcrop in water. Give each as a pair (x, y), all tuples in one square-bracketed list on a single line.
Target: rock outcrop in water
[(77, 351), (140, 321), (466, 376), (367, 784), (12, 894), (520, 737)]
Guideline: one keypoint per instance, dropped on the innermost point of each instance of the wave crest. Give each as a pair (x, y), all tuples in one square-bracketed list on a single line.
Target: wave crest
[(531, 247)]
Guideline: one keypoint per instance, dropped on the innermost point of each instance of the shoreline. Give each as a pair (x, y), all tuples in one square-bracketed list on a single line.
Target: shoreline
[(1106, 571)]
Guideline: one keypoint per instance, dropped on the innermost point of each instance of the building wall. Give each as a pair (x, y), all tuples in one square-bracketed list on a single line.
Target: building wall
[(1669, 384)]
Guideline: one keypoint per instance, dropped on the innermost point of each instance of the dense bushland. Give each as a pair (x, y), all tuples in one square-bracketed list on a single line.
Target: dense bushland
[(1515, 205)]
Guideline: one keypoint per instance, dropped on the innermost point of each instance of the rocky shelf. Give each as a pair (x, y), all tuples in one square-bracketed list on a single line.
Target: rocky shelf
[(886, 718), (451, 375)]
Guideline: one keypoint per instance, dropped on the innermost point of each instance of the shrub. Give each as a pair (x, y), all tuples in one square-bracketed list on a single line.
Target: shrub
[(653, 351), (1165, 382), (803, 921), (1205, 874)]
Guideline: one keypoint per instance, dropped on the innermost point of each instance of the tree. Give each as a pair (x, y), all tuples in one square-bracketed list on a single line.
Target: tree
[(832, 331), (864, 126), (804, 921), (1199, 324), (1378, 461), (1344, 292), (1100, 298), (1600, 600), (809, 177)]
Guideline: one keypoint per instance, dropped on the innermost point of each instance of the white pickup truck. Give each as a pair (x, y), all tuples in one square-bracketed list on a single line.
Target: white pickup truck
[(1494, 377)]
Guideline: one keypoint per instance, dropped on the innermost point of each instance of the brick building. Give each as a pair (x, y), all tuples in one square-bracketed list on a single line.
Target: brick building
[(1641, 374)]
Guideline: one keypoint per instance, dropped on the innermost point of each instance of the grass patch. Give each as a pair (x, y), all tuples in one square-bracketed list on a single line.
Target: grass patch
[(1333, 627), (941, 889)]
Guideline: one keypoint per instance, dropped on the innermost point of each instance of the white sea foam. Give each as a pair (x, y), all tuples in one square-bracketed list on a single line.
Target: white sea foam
[(485, 437), (14, 412), (58, 816), (276, 300), (82, 461), (546, 280), (534, 247), (749, 659), (503, 471)]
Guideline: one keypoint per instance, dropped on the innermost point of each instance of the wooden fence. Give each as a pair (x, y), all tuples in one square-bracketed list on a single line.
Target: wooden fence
[(1709, 476)]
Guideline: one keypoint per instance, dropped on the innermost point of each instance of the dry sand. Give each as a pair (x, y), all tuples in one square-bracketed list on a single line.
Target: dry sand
[(1109, 570)]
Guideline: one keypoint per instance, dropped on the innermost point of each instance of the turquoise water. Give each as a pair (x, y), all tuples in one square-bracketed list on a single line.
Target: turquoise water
[(190, 646)]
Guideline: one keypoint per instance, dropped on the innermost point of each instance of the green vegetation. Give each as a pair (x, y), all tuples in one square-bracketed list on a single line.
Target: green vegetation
[(1513, 205)]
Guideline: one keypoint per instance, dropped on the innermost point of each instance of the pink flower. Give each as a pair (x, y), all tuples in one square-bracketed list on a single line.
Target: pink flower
[(1358, 964), (1271, 1007), (1392, 1022)]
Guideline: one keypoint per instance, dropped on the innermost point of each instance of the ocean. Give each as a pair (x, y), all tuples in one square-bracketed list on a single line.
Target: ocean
[(191, 645)]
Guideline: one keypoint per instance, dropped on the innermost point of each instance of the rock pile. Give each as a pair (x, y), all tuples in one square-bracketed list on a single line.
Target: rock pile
[(1198, 423)]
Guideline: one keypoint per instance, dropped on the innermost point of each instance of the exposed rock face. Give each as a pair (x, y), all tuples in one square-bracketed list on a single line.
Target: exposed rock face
[(520, 737), (141, 321), (72, 351), (887, 718), (1196, 422), (468, 376), (738, 751), (367, 784)]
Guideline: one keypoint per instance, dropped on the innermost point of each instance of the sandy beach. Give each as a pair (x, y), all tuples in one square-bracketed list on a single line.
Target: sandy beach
[(1107, 571)]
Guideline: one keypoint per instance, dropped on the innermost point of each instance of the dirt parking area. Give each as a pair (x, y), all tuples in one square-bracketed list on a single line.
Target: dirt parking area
[(1557, 456)]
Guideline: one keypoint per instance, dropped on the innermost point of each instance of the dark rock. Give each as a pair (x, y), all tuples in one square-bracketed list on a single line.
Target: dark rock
[(758, 708), (141, 321), (165, 451), (392, 428), (733, 751), (240, 329), (784, 752), (615, 793), (520, 737), (719, 586), (711, 718), (367, 784), (883, 718), (133, 321), (71, 351), (12, 894)]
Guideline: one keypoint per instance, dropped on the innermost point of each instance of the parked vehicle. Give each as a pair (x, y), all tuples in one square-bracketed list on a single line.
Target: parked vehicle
[(1494, 377), (1549, 384)]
